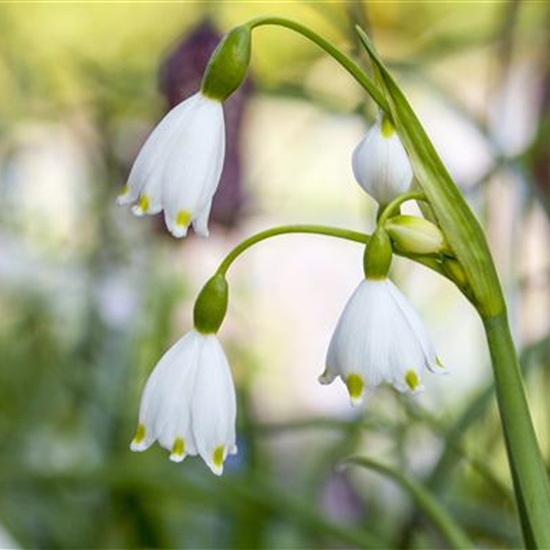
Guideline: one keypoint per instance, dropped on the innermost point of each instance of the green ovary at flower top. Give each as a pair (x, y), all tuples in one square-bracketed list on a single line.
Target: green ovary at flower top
[(179, 167)]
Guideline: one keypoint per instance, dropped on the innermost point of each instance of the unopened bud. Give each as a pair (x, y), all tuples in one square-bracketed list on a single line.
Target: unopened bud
[(416, 235), (227, 67)]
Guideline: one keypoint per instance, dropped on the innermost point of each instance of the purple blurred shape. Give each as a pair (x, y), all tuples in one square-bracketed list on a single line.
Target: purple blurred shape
[(181, 76), (340, 501)]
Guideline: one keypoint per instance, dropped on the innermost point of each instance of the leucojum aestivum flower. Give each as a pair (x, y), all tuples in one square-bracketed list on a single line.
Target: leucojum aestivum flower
[(188, 403)]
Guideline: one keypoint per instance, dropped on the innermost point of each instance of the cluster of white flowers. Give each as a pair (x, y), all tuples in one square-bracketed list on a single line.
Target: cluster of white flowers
[(188, 404)]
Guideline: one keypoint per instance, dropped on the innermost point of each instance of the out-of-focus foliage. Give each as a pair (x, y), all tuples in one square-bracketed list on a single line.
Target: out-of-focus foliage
[(90, 297)]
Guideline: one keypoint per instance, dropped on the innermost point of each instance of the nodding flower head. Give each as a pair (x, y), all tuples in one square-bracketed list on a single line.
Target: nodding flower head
[(380, 164), (188, 403), (379, 338), (179, 166)]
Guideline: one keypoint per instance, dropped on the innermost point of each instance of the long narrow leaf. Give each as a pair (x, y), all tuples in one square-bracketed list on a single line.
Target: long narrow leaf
[(446, 525)]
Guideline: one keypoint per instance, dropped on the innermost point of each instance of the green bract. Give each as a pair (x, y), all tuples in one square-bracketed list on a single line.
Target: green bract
[(227, 67), (211, 305), (414, 235)]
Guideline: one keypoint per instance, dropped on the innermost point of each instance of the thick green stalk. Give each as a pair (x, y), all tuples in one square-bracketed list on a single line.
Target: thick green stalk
[(344, 60), (529, 474)]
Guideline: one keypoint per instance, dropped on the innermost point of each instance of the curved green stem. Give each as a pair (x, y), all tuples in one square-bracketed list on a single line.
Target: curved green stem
[(355, 236), (452, 532), (337, 232), (349, 64), (390, 209)]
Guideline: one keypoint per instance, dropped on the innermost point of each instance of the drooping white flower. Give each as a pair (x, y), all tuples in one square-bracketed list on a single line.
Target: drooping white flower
[(380, 164), (188, 404), (179, 166), (379, 338)]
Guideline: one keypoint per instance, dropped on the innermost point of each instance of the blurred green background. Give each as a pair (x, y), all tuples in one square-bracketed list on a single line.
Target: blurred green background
[(90, 297)]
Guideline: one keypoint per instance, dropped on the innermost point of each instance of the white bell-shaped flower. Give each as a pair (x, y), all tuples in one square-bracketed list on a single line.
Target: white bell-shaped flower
[(379, 338), (380, 163), (188, 404), (179, 166)]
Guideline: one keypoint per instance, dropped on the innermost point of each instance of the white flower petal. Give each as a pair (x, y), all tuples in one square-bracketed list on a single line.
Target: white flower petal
[(200, 222), (157, 146), (330, 373), (189, 403), (165, 410), (191, 179), (128, 195), (378, 338), (417, 326), (145, 177), (214, 406), (178, 227), (381, 165), (360, 336), (179, 167)]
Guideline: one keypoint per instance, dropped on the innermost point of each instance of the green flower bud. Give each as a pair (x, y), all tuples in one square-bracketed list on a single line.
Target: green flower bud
[(416, 235), (227, 67), (211, 305), (378, 255)]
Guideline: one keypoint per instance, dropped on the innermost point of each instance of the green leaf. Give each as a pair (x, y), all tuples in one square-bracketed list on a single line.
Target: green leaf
[(446, 525)]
